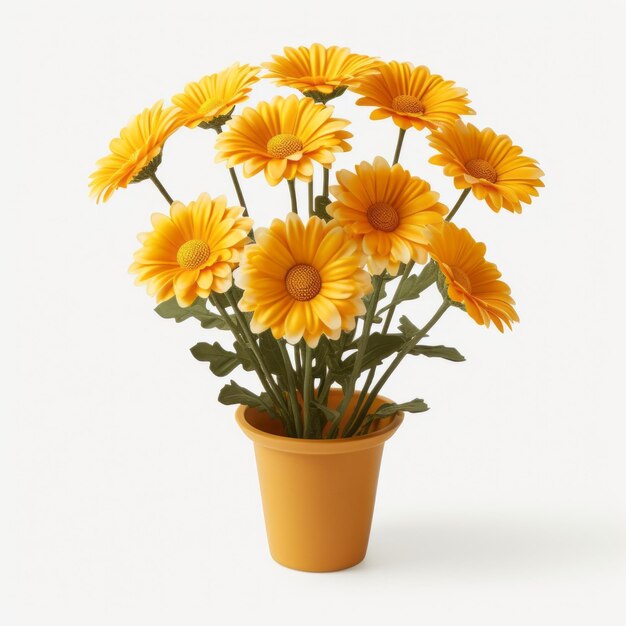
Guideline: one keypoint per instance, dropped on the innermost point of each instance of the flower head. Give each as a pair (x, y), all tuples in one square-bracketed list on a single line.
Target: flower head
[(302, 280), (318, 71), (470, 279), (136, 153), (412, 96), (283, 138), (386, 210), (210, 101), (489, 164), (192, 252)]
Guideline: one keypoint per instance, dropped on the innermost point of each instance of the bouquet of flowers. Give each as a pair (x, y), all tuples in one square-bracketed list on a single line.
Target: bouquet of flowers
[(310, 301)]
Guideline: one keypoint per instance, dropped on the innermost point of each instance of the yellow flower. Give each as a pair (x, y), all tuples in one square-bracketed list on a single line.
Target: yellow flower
[(283, 138), (303, 280), (319, 70), (470, 279), (412, 96), (386, 210), (490, 164), (210, 101), (136, 153), (192, 252)]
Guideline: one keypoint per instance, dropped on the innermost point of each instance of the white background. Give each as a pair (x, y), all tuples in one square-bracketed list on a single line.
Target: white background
[(128, 495)]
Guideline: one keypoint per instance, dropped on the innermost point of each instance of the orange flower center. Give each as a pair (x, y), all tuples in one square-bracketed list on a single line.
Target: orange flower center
[(383, 216), (283, 146), (193, 254), (303, 282), (461, 278), (479, 168), (407, 104), (209, 105)]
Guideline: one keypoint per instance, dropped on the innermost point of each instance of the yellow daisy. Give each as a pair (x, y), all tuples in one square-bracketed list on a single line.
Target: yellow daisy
[(470, 279), (386, 210), (319, 72), (210, 101), (303, 280), (412, 96), (490, 164), (136, 153), (283, 138), (192, 252)]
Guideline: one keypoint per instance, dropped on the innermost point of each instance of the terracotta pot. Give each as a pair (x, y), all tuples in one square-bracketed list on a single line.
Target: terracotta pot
[(318, 495)]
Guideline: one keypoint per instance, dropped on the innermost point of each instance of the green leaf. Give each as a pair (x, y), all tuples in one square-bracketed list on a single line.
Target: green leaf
[(383, 292), (319, 209), (236, 394), (442, 352), (410, 289), (234, 291), (271, 353), (414, 406), (338, 369), (170, 309), (221, 361), (320, 356), (331, 414), (378, 348), (407, 327), (244, 355), (413, 286)]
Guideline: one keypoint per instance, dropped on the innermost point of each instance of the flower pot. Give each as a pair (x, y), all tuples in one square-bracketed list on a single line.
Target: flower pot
[(318, 495)]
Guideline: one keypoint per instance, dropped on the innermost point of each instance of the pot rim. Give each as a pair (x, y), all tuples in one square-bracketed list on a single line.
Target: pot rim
[(318, 446)]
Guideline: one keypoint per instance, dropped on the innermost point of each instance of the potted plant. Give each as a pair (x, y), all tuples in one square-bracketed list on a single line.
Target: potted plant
[(310, 301)]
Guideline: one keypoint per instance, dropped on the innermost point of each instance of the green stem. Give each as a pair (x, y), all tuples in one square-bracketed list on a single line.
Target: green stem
[(251, 341), (322, 379), (298, 360), (291, 383), (308, 389), (388, 319), (322, 394), (360, 354), (396, 156), (458, 204), (242, 201), (390, 313), (280, 406), (325, 387), (311, 206), (159, 186), (325, 180), (394, 364), (292, 194), (233, 176), (368, 382)]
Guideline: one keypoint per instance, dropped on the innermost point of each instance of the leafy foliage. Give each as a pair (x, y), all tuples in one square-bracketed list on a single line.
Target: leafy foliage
[(271, 354), (407, 327), (413, 406), (441, 352), (413, 286), (232, 393), (221, 361), (170, 309), (379, 347)]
